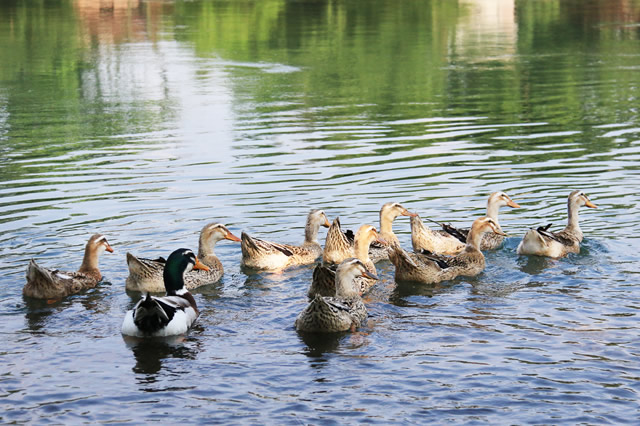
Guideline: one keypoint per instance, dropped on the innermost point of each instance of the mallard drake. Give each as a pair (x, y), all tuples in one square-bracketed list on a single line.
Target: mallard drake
[(427, 268), (146, 274), (542, 242), (345, 311), (45, 283), (388, 213), (324, 274), (267, 255), (452, 240), (173, 313)]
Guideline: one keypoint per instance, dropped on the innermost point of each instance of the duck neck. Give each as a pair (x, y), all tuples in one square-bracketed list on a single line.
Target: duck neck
[(573, 221), (311, 233), (90, 263), (492, 211), (474, 239), (386, 223), (206, 247), (344, 286), (173, 279), (361, 249)]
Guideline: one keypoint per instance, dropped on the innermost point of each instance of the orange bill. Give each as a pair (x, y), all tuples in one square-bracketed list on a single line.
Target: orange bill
[(326, 223), (408, 213), (109, 249), (200, 265), (232, 237), (590, 204), (513, 204)]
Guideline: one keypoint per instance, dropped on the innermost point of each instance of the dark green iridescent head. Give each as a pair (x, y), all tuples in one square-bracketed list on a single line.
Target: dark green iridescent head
[(179, 262)]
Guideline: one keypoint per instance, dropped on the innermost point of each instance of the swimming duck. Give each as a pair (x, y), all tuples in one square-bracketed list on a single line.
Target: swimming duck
[(345, 311), (428, 268), (324, 274), (45, 283), (452, 240), (146, 274), (266, 255), (171, 314), (388, 213), (543, 242)]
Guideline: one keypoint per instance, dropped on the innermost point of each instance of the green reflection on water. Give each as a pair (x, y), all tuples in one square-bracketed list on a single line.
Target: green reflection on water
[(64, 79)]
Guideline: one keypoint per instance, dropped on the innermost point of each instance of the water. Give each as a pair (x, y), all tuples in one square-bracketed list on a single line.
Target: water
[(146, 120)]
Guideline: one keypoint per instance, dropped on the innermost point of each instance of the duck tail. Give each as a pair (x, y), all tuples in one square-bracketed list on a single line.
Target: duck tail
[(149, 315), (38, 274), (398, 256), (248, 244)]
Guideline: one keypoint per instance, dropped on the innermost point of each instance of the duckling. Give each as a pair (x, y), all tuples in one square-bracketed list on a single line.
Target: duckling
[(428, 269), (452, 240), (324, 274), (388, 213), (542, 242), (146, 274), (45, 283), (171, 314), (345, 311), (266, 255)]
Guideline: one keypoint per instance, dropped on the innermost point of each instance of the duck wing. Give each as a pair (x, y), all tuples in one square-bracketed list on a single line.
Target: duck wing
[(561, 236), (152, 314), (459, 233), (442, 261), (256, 245)]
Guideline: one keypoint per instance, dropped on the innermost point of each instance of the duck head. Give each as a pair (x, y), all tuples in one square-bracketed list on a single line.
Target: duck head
[(179, 262), (578, 198), (346, 273)]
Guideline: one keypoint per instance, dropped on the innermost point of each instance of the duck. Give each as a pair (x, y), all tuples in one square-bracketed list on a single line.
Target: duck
[(323, 281), (43, 283), (266, 255), (428, 268), (388, 213), (542, 242), (345, 310), (451, 240), (146, 275), (169, 315)]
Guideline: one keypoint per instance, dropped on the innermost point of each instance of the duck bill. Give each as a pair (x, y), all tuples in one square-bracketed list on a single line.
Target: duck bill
[(200, 265), (500, 232), (513, 204), (381, 241), (408, 213), (326, 223), (590, 205), (369, 275), (109, 249), (231, 237)]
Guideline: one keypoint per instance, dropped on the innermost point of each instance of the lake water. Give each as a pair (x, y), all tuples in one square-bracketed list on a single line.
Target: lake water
[(144, 120)]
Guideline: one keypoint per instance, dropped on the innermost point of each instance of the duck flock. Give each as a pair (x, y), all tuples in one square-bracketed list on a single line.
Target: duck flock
[(346, 270)]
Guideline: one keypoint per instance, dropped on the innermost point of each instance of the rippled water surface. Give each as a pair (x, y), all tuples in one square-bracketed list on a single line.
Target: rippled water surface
[(144, 120)]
